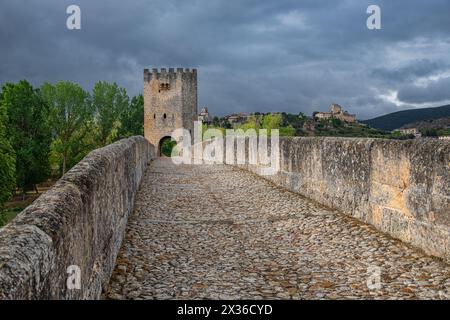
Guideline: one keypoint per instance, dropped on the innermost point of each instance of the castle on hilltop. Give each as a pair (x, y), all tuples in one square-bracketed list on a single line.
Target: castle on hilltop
[(170, 102), (336, 112)]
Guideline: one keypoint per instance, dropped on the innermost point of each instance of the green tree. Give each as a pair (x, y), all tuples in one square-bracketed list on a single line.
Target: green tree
[(132, 118), (224, 123), (167, 146), (336, 122), (271, 121), (429, 132), (216, 121), (275, 121), (28, 132), (251, 123), (287, 131), (268, 122), (400, 136), (7, 159), (109, 101), (70, 116)]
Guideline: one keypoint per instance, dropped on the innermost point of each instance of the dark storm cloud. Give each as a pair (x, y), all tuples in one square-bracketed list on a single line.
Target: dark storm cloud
[(252, 55), (418, 68), (437, 90)]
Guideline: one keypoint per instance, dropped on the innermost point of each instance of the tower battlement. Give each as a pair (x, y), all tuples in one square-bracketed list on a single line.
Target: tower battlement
[(156, 73)]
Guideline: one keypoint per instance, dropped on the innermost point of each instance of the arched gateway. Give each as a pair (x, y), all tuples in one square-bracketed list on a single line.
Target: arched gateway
[(165, 146), (170, 102)]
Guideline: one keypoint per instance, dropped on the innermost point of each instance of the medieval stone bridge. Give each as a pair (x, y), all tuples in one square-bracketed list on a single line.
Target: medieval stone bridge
[(219, 232), (343, 219)]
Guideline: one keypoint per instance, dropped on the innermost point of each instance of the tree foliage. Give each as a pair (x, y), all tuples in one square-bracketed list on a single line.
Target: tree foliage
[(429, 132), (167, 146), (132, 118), (7, 159), (51, 129), (110, 102), (216, 121), (28, 133), (268, 122), (70, 116)]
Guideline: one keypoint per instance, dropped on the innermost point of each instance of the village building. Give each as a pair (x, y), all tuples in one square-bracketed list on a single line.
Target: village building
[(237, 118), (204, 116), (406, 131)]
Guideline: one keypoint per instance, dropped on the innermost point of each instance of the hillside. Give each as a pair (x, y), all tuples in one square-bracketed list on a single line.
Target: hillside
[(430, 124), (398, 119)]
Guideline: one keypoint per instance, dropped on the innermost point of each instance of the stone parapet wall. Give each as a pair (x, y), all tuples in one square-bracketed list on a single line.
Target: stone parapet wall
[(400, 187), (79, 222)]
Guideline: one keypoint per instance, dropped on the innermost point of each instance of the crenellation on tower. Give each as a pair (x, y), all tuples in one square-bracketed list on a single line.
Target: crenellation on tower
[(170, 73), (146, 75)]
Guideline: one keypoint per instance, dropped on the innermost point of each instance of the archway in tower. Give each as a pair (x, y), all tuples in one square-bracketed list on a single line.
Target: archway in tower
[(166, 145)]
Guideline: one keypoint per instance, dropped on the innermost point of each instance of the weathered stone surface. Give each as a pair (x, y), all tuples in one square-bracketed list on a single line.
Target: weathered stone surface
[(80, 221), (400, 187), (216, 231), (219, 232), (170, 102)]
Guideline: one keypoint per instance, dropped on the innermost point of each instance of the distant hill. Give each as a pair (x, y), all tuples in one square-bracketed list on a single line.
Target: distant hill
[(398, 119), (442, 123)]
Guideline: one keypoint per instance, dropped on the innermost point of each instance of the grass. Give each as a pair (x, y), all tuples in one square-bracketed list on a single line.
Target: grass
[(15, 205), (8, 214)]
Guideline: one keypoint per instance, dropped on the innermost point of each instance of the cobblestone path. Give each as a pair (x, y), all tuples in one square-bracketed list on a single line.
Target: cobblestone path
[(216, 231)]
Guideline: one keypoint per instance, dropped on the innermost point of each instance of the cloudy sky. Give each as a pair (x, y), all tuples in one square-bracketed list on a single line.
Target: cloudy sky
[(251, 55)]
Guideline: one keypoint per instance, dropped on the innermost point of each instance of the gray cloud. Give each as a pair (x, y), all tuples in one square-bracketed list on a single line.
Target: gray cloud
[(416, 69), (435, 91), (252, 55)]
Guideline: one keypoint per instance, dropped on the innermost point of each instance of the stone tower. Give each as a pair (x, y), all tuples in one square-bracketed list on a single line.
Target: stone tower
[(170, 102)]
